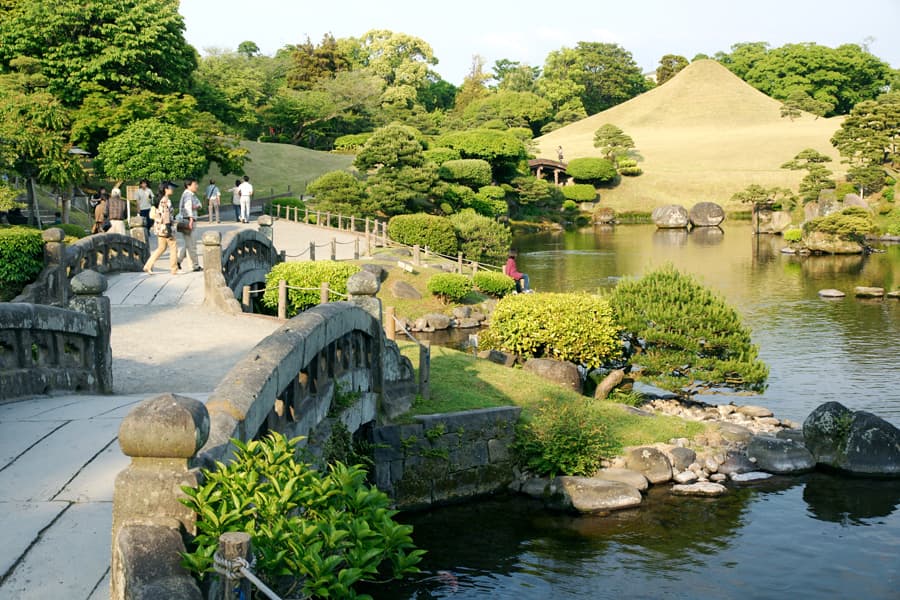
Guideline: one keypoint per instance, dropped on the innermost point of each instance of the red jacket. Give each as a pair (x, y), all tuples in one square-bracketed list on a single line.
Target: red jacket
[(510, 269)]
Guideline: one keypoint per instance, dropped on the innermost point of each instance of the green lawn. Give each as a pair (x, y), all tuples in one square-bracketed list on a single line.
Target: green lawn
[(461, 382), (277, 166)]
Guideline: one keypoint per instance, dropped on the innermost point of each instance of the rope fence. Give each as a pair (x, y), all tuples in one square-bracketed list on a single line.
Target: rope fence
[(325, 295), (375, 233)]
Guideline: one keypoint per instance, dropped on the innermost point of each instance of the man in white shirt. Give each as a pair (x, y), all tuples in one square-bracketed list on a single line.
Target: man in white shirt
[(246, 191)]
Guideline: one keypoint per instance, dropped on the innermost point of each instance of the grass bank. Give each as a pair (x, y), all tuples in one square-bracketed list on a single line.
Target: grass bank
[(461, 382)]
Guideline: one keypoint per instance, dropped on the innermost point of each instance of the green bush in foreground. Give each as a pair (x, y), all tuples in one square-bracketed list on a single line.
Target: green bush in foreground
[(21, 259), (315, 533), (425, 230), (577, 327), (689, 332), (449, 287), (493, 283), (564, 438), (481, 238), (309, 275)]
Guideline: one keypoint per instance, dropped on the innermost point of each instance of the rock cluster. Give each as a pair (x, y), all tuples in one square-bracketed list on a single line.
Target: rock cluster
[(463, 317)]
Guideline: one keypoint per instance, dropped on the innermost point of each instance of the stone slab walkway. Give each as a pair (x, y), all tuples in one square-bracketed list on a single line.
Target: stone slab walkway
[(59, 455)]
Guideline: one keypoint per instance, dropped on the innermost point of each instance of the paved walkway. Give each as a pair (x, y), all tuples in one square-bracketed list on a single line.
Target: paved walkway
[(59, 455)]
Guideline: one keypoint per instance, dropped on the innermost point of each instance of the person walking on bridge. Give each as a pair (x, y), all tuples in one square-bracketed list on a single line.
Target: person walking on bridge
[(187, 217), (246, 191), (164, 230)]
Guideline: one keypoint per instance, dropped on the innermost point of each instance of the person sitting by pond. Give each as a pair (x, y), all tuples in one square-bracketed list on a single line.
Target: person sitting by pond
[(522, 284)]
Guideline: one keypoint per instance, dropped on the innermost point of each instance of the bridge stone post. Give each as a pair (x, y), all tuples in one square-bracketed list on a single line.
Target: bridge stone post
[(138, 229), (160, 435), (265, 227), (88, 287), (361, 289), (58, 292), (217, 294)]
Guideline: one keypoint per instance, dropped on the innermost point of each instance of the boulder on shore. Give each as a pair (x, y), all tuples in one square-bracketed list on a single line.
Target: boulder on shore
[(770, 221), (562, 372), (707, 214), (672, 216), (650, 462), (632, 478), (830, 243)]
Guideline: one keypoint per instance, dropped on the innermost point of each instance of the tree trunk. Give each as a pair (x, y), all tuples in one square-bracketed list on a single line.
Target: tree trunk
[(35, 218)]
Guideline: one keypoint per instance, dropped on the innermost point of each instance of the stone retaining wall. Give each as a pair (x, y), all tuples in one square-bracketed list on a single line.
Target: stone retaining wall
[(445, 458)]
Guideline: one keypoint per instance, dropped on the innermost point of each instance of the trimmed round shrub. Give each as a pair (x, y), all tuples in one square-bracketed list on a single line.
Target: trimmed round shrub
[(580, 192), (425, 230), (493, 283), (338, 191), (630, 171), (591, 169), (690, 333), (624, 163), (306, 275), (491, 201), (441, 155), (564, 438), (569, 206), (21, 259), (472, 172), (481, 238), (577, 327), (449, 287), (523, 133), (793, 235)]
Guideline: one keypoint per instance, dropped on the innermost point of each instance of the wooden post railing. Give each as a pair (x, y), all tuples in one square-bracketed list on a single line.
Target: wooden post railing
[(282, 299), (390, 327)]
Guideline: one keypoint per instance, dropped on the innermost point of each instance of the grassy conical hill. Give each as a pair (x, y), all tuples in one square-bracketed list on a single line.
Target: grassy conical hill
[(701, 136)]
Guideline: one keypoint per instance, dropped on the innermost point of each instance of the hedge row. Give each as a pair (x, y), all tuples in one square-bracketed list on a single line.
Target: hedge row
[(21, 259), (306, 275), (425, 230)]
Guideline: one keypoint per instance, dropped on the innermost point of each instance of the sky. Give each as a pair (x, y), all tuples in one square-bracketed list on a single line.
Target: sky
[(527, 30)]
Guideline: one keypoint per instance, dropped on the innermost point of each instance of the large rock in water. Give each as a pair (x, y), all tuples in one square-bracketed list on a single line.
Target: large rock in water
[(830, 243), (564, 373), (707, 214), (632, 478), (672, 216), (589, 495), (858, 442), (781, 457), (770, 221)]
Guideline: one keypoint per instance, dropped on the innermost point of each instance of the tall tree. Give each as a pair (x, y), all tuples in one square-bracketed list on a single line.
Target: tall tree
[(515, 109), (310, 63), (150, 149), (669, 66), (474, 86), (817, 177), (869, 138), (613, 142), (514, 76), (34, 136), (95, 45)]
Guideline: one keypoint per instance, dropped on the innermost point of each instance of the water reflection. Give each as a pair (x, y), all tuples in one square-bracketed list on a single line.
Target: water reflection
[(850, 501), (707, 236), (670, 237)]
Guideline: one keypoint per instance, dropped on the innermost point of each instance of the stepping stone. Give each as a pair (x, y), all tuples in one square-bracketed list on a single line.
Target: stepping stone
[(703, 488), (831, 293)]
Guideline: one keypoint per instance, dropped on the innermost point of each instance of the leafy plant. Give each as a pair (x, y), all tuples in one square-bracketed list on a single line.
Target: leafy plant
[(425, 230), (564, 438), (688, 332), (21, 259), (472, 172), (793, 235), (319, 532), (577, 327), (493, 283), (307, 275), (450, 287)]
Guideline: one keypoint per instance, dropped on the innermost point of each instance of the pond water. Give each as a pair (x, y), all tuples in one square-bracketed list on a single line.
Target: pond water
[(817, 536)]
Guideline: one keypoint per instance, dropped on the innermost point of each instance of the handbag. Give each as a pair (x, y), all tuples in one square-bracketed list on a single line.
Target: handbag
[(106, 225), (183, 226), (154, 214)]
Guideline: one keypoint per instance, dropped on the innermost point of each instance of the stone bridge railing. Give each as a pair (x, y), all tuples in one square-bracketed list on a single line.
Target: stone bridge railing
[(288, 383), (103, 252), (48, 348), (241, 258)]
